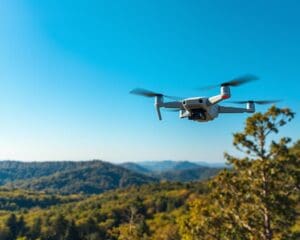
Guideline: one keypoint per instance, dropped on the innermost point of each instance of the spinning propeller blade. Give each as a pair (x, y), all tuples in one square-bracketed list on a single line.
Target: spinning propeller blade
[(234, 82), (147, 93), (261, 102)]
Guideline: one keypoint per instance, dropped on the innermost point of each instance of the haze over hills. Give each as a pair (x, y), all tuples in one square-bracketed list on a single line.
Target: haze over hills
[(181, 171), (167, 165)]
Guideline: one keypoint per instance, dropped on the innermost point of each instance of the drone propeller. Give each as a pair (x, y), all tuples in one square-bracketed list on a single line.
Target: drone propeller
[(261, 102), (147, 93), (234, 82)]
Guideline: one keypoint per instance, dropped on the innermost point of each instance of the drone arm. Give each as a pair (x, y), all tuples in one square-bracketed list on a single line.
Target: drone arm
[(215, 99), (225, 94), (175, 104), (231, 110), (249, 109)]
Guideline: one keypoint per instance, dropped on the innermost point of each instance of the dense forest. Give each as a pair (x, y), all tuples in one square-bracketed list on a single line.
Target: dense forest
[(256, 198), (92, 177)]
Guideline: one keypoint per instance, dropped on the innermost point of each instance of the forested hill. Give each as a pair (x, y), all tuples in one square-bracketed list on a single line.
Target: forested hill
[(69, 177), (18, 170), (180, 171), (188, 175), (90, 177), (135, 167), (167, 165)]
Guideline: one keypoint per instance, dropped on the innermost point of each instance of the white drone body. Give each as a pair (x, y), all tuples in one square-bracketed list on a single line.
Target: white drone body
[(204, 109)]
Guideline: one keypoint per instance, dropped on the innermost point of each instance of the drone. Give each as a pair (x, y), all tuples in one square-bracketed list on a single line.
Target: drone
[(204, 109)]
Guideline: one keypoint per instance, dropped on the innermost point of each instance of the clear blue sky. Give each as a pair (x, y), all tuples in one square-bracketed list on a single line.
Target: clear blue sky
[(66, 68)]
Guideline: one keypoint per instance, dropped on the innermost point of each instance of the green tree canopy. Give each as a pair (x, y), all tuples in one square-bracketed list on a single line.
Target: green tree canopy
[(256, 198)]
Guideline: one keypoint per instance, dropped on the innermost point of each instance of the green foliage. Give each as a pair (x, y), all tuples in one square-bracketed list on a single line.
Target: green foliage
[(17, 199), (13, 228), (119, 214), (257, 198)]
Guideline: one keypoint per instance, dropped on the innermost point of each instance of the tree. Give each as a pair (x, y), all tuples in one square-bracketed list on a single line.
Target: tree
[(256, 198), (295, 150), (136, 228), (21, 226), (12, 226), (72, 232), (58, 228), (35, 230)]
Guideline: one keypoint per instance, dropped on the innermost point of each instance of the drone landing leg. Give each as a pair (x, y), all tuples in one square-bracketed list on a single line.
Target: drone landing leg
[(158, 103)]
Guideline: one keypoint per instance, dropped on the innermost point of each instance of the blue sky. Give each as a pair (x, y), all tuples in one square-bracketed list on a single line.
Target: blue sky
[(66, 68)]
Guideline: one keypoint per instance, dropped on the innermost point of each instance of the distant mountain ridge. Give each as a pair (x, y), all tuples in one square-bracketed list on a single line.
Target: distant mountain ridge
[(168, 165), (188, 175), (180, 171)]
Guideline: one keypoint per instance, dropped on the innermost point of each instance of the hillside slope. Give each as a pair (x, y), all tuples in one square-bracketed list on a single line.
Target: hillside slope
[(135, 167), (187, 175), (88, 178), (17, 170), (180, 171), (167, 165)]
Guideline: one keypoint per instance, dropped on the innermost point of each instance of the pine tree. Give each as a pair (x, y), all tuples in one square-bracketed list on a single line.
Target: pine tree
[(12, 225), (72, 232), (58, 228), (35, 230), (21, 226), (256, 198)]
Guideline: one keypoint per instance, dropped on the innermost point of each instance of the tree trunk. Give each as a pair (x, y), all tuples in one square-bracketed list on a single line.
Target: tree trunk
[(267, 221), (267, 226)]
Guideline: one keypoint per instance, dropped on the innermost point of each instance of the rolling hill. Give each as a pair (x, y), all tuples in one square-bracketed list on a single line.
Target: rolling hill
[(18, 170), (179, 171), (167, 165), (188, 175), (71, 177), (135, 167), (92, 177)]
